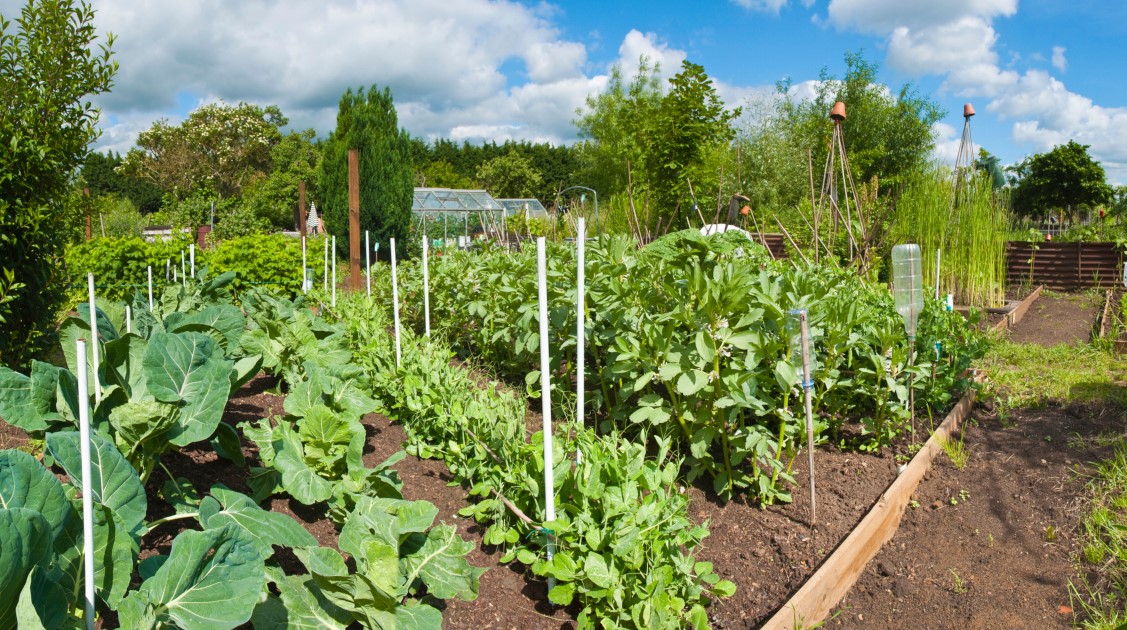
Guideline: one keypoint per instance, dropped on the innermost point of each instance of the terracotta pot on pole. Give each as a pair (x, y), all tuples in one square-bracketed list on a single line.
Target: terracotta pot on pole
[(968, 110), (838, 112)]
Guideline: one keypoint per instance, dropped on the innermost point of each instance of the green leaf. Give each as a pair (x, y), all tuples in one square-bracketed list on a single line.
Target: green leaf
[(28, 402), (414, 615), (245, 369), (786, 375), (181, 368), (227, 319), (26, 614), (114, 553), (25, 483), (441, 564), (691, 382), (228, 445), (298, 478), (25, 541), (265, 528), (114, 483), (724, 588), (322, 560), (302, 606), (595, 568), (212, 579), (562, 594)]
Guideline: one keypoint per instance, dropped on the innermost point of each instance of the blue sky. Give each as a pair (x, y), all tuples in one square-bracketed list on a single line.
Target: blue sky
[(1039, 72)]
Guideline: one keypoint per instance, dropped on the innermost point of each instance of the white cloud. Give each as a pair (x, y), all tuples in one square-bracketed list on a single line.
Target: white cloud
[(637, 45), (956, 39), (766, 6), (1059, 62)]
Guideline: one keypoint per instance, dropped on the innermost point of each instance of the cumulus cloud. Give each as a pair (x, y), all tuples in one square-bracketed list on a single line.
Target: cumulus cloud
[(1059, 62), (956, 40), (442, 60), (765, 6)]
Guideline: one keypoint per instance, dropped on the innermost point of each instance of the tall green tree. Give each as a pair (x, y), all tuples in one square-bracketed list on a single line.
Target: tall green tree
[(690, 121), (100, 175), (50, 66), (510, 176), (367, 121), (1065, 179)]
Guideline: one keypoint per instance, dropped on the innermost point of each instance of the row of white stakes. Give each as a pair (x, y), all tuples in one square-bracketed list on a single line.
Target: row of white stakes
[(545, 378)]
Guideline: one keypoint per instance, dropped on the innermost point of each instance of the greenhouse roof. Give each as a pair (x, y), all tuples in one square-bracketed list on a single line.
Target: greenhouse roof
[(518, 206), (450, 200)]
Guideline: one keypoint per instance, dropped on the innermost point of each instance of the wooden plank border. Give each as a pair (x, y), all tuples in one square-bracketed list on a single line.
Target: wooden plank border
[(828, 585), (1021, 309)]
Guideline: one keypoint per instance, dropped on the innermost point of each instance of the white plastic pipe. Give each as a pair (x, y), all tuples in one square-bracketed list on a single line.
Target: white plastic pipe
[(193, 259), (334, 271), (808, 387), (304, 266), (395, 304), (545, 397), (325, 279), (938, 256), (175, 276), (128, 319), (87, 495), (580, 323), (426, 285), (368, 262), (94, 338), (183, 268), (167, 268), (150, 288)]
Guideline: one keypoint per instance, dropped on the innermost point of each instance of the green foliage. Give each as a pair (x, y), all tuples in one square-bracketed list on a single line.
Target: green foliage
[(99, 172), (446, 164), (441, 174), (887, 134), (367, 122), (120, 266), (1065, 178), (294, 159), (49, 67), (115, 216), (509, 176), (970, 231), (272, 260), (219, 150)]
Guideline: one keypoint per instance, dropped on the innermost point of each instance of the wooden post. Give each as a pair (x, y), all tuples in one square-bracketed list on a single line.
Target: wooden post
[(354, 219), (301, 210), (86, 192)]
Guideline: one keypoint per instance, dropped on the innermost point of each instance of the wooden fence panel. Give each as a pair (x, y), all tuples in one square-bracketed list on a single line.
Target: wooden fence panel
[(1063, 266)]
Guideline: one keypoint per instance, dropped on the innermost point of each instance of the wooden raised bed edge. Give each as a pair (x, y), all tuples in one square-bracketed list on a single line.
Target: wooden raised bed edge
[(828, 585), (1019, 311)]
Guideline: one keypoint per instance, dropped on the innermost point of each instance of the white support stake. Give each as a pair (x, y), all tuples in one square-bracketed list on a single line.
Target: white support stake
[(580, 323), (545, 398), (395, 304), (368, 262), (183, 268), (150, 288), (334, 271), (192, 257), (94, 339), (426, 285), (128, 319), (325, 280), (808, 387), (87, 494), (167, 269), (938, 256), (304, 265)]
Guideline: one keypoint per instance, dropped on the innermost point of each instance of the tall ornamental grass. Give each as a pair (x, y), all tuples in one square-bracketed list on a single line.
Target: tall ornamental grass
[(971, 233)]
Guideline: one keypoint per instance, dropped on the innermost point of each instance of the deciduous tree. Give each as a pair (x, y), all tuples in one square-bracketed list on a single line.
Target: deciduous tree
[(1065, 178)]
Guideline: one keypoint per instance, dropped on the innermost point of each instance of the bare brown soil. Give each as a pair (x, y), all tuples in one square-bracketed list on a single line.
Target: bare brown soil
[(989, 546)]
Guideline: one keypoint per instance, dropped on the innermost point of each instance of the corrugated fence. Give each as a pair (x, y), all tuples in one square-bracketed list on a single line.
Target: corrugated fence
[(1064, 266)]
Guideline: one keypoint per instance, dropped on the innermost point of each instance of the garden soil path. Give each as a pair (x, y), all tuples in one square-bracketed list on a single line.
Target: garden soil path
[(989, 546)]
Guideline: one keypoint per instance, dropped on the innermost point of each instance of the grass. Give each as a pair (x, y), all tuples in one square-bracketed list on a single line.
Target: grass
[(1023, 375), (956, 451), (1098, 593)]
